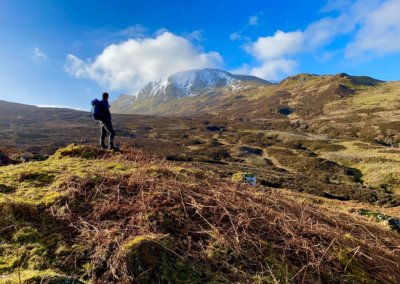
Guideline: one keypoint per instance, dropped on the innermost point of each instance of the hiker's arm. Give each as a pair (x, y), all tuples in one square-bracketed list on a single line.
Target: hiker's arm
[(107, 112)]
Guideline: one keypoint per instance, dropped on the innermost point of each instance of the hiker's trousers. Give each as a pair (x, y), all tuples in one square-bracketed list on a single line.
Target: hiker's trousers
[(107, 130)]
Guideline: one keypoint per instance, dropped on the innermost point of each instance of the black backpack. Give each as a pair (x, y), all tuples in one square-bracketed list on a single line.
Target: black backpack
[(96, 111)]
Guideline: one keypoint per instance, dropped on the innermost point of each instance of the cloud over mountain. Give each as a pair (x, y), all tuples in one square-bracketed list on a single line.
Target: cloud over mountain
[(130, 64)]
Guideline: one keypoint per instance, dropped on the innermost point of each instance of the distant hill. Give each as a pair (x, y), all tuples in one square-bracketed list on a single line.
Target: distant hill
[(24, 110), (42, 129)]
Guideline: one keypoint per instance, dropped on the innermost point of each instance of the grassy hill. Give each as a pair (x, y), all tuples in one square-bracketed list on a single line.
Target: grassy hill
[(85, 215)]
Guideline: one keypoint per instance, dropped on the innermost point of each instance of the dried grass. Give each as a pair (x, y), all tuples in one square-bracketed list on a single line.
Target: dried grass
[(233, 229)]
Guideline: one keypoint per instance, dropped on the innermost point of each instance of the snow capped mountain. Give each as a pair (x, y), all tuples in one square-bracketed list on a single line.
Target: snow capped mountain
[(184, 90), (195, 82)]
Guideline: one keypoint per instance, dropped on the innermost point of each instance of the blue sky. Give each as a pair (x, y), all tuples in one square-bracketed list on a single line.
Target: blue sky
[(64, 53)]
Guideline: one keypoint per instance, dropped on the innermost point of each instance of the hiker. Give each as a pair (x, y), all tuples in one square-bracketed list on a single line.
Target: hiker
[(106, 124)]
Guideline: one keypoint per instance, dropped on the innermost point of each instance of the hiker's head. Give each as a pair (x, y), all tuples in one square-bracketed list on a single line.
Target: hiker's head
[(105, 96)]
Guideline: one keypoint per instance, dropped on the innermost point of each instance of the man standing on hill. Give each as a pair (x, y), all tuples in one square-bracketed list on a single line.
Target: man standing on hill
[(106, 124)]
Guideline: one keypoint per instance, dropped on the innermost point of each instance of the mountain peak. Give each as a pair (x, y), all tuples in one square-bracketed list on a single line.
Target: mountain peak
[(194, 82), (199, 84), (360, 80)]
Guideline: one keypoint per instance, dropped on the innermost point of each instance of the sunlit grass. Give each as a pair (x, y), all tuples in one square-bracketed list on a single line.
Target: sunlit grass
[(380, 166), (385, 96)]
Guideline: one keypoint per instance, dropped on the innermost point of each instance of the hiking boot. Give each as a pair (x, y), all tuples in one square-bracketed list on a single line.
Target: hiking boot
[(103, 147), (112, 147)]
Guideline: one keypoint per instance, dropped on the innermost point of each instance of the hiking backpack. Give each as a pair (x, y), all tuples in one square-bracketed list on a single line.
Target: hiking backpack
[(96, 111)]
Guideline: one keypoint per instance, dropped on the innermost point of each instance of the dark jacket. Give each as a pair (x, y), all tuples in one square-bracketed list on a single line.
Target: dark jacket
[(104, 107)]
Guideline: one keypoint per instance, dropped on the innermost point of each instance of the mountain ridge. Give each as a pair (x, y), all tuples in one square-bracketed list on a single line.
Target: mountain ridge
[(207, 90)]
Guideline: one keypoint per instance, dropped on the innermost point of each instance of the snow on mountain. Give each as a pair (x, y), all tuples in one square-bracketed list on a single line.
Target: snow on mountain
[(194, 82), (169, 94)]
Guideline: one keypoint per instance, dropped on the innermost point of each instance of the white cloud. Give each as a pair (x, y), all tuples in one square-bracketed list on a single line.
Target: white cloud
[(373, 25), (38, 54), (274, 69), (253, 20), (278, 45), (131, 64), (324, 31), (244, 69), (352, 14), (271, 52), (379, 33)]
